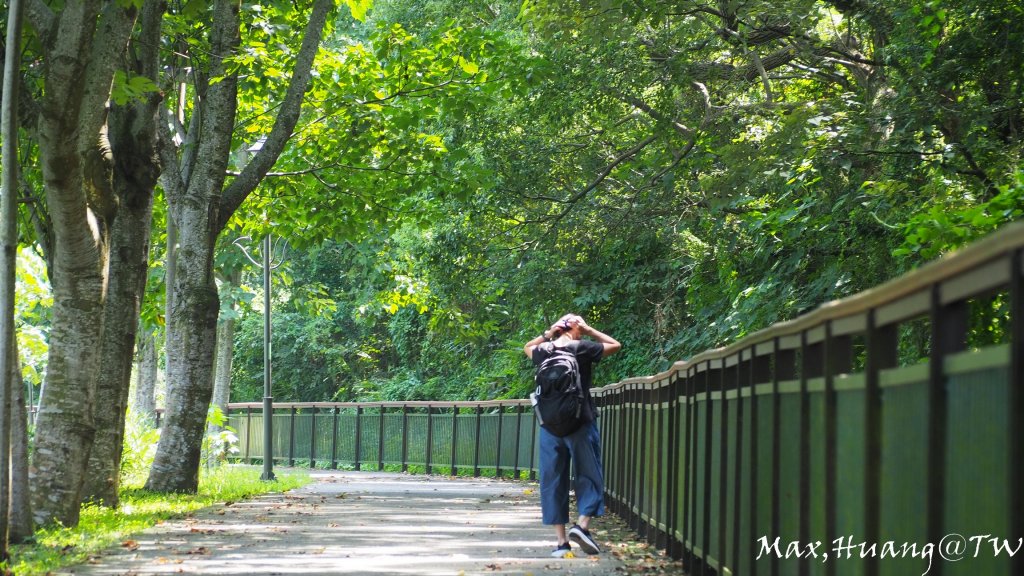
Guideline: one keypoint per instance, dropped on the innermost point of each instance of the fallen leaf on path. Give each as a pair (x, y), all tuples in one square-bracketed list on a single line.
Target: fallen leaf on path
[(130, 544)]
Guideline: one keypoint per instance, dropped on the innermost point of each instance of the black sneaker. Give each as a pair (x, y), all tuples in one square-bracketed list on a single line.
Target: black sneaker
[(582, 537), (561, 551)]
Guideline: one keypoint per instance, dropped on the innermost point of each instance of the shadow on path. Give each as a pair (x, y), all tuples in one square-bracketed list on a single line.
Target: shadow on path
[(358, 523)]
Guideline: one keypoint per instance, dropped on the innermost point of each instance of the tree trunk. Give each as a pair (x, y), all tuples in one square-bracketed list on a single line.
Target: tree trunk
[(136, 169), (145, 384), (8, 258), (87, 44), (192, 333), (21, 527), (225, 356)]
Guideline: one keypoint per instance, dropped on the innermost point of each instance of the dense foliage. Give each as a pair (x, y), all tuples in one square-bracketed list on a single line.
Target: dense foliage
[(680, 173)]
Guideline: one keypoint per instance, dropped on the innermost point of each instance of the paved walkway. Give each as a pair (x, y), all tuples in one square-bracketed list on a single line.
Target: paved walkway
[(359, 523)]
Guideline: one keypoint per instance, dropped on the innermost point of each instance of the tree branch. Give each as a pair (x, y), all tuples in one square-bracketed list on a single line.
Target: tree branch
[(287, 118), (601, 176)]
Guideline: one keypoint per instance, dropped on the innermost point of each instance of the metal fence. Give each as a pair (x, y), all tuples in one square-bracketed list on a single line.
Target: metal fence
[(491, 437), (808, 431), (811, 431)]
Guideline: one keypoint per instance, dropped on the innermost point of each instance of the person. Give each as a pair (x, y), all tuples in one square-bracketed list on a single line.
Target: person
[(582, 447)]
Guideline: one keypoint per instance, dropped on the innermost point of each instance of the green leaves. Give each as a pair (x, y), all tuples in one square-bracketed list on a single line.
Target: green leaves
[(359, 8), (127, 89)]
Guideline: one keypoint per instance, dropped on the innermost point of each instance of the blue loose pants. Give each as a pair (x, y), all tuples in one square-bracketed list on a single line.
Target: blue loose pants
[(581, 449)]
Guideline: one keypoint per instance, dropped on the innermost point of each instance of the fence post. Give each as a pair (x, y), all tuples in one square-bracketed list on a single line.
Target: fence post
[(476, 442), (882, 346), (708, 427), (358, 455), (405, 438), (380, 440), (533, 452), (690, 473), (334, 437), (291, 436), (497, 457), (1016, 404), (737, 495), (430, 435), (643, 458), (455, 440), (519, 434), (724, 384), (808, 362), (662, 409), (949, 326), (248, 433), (312, 437), (632, 429), (672, 524), (760, 372), (620, 453), (783, 368), (837, 356)]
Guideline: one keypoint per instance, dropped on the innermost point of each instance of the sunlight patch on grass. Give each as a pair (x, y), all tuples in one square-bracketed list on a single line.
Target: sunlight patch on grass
[(101, 527)]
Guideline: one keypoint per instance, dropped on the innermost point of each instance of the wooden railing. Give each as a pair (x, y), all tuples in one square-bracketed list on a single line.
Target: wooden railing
[(811, 431)]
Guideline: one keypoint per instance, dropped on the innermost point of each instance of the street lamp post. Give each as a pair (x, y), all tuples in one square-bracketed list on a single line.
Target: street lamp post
[(268, 399)]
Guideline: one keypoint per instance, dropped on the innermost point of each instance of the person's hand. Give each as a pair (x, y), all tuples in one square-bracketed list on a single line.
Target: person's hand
[(579, 321)]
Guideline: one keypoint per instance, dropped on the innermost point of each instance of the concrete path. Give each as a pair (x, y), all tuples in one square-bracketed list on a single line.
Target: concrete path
[(359, 523)]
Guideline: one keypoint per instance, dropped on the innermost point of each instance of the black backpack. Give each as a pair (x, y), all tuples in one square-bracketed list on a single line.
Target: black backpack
[(558, 399)]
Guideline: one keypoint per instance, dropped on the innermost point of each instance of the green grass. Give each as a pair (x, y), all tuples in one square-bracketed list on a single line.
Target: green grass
[(102, 527)]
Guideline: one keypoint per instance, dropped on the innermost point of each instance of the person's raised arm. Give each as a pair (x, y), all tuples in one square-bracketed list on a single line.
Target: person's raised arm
[(548, 335), (611, 345)]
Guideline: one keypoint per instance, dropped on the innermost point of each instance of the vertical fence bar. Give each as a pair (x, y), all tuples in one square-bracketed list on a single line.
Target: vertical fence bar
[(633, 439), (760, 372), (705, 542), (882, 345), (430, 435), (291, 435), (380, 439), (831, 369), (723, 465), (949, 325), (737, 495), (804, 529), (405, 438), (334, 437), (533, 453), (359, 438), (690, 480), (621, 451), (661, 399), (312, 437), (248, 434), (497, 457), (672, 472), (783, 368), (642, 458), (455, 440), (476, 443), (1016, 406), (519, 434)]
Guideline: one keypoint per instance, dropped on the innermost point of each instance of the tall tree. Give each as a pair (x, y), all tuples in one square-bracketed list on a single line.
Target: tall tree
[(132, 130), (200, 206), (81, 45), (8, 256)]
